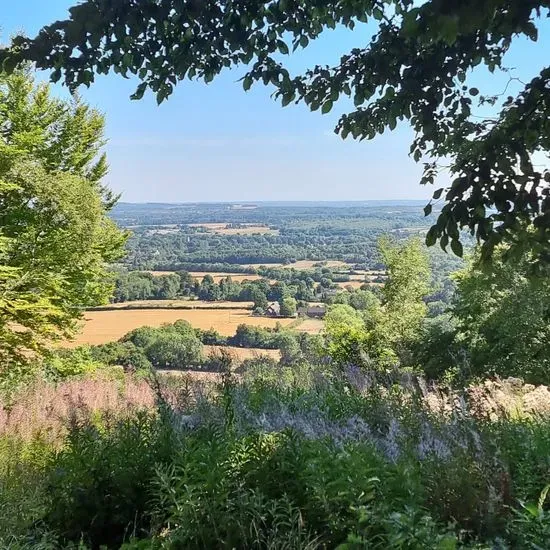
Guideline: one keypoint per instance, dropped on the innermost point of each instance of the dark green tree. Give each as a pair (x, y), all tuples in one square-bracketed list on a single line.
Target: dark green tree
[(503, 317)]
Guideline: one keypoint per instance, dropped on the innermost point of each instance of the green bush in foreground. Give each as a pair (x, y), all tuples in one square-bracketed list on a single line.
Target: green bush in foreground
[(285, 459)]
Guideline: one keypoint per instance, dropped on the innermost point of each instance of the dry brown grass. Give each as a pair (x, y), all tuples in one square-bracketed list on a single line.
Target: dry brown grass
[(265, 264), (353, 284), (247, 229), (237, 277), (311, 326), (101, 327), (45, 408)]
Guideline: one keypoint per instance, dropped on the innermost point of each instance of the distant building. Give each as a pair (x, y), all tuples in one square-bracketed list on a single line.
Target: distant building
[(273, 309), (313, 311)]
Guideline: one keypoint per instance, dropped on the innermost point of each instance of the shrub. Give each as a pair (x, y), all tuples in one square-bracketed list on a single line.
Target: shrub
[(99, 490)]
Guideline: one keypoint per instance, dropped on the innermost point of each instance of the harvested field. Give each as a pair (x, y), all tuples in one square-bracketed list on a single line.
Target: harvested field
[(101, 327), (311, 326), (353, 284), (256, 266), (309, 264), (245, 229), (175, 304), (237, 277), (357, 284)]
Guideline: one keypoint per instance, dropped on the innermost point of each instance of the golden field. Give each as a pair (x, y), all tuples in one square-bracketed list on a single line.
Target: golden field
[(246, 229), (100, 327), (237, 277), (176, 304)]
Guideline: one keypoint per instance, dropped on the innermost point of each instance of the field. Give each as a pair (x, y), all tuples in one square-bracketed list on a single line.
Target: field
[(245, 229), (310, 264), (101, 327), (311, 326), (237, 277), (175, 304)]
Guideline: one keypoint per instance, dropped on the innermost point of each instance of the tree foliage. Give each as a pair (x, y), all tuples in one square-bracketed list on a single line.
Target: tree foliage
[(414, 69), (407, 285), (503, 318), (383, 332), (55, 236)]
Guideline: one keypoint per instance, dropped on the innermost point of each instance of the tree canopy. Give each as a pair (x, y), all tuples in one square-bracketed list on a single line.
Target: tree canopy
[(55, 236), (503, 318), (414, 69)]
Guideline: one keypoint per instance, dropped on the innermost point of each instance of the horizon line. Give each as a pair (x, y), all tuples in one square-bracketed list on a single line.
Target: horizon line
[(290, 201)]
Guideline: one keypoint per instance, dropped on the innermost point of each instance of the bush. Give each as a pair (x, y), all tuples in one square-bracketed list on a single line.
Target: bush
[(100, 489), (289, 457), (66, 363)]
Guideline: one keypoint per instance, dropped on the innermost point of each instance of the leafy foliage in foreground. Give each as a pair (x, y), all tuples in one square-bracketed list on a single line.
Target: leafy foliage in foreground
[(288, 458), (414, 69), (55, 236)]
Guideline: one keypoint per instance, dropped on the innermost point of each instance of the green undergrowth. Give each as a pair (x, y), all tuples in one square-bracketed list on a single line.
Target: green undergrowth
[(294, 459)]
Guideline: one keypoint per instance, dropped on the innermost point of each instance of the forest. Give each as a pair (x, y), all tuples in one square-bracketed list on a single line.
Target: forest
[(415, 415), (347, 233)]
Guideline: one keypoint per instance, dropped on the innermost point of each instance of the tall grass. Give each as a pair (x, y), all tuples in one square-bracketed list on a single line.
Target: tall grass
[(279, 458)]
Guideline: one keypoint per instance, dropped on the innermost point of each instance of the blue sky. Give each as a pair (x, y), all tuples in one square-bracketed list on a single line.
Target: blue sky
[(217, 143)]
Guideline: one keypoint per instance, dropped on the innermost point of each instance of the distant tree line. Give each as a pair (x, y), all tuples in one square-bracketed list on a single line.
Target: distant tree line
[(300, 285)]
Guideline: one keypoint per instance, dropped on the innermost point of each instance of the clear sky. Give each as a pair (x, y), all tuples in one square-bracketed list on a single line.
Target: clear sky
[(217, 143)]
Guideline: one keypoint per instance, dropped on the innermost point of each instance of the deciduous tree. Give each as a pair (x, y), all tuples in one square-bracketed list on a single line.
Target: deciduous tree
[(55, 235)]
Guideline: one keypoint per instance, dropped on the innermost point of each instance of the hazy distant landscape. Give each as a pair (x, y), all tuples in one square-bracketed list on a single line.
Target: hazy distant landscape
[(249, 253)]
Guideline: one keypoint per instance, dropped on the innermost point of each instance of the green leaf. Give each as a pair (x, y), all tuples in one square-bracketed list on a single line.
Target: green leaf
[(410, 25), (378, 14), (288, 98), (138, 94), (427, 210), (474, 91), (327, 106), (283, 48), (10, 63), (247, 83), (431, 236), (448, 28), (456, 247), (437, 194)]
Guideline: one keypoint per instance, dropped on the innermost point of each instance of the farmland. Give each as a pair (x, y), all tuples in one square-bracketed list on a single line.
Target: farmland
[(237, 277), (239, 229), (100, 327), (175, 304)]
